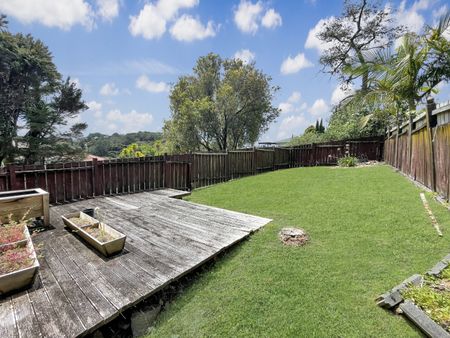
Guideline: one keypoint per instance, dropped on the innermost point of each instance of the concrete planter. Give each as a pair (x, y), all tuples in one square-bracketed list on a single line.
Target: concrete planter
[(21, 278), (19, 202), (107, 248)]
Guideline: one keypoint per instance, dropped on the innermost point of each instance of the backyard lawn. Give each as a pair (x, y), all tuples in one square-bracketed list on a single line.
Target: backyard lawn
[(369, 231)]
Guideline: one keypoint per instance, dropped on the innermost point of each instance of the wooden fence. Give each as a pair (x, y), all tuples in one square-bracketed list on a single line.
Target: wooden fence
[(420, 148), (68, 182)]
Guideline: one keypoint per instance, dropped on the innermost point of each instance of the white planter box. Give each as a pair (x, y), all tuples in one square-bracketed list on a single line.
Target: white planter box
[(19, 279), (108, 248), (18, 202)]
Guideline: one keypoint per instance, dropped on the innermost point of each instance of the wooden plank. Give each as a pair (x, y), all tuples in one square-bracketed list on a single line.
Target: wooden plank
[(83, 267), (68, 314), (27, 323), (8, 326), (90, 287), (81, 304), (425, 323), (79, 290)]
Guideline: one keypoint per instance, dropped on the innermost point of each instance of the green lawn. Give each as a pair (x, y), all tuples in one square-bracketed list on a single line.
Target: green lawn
[(368, 229)]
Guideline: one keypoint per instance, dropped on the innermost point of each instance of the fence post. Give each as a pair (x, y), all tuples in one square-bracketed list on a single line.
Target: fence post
[(313, 155), (410, 126), (255, 157), (94, 176), (12, 176), (431, 122), (188, 176), (273, 159), (164, 169)]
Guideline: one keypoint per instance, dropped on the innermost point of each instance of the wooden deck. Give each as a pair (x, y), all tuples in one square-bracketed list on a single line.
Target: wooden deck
[(78, 290)]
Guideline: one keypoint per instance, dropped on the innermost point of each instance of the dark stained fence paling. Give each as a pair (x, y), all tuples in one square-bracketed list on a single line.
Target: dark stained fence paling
[(67, 182), (72, 181), (421, 150)]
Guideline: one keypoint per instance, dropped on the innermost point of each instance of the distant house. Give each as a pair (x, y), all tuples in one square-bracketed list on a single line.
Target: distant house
[(273, 144), (90, 157)]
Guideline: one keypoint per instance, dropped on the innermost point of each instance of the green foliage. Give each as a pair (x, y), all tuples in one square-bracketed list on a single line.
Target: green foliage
[(363, 26), (359, 234), (433, 297), (400, 80), (223, 105), (44, 119), (111, 145), (393, 82), (312, 134), (348, 161), (434, 302), (137, 150), (309, 137), (32, 92)]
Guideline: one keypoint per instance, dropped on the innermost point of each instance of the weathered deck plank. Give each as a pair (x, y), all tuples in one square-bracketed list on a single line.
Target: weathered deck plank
[(78, 290)]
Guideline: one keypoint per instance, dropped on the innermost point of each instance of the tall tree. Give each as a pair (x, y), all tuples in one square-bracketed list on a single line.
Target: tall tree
[(45, 120), (31, 93), (363, 26), (400, 80), (223, 105)]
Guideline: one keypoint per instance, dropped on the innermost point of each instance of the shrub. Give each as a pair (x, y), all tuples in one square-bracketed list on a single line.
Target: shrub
[(348, 161), (15, 259), (13, 230)]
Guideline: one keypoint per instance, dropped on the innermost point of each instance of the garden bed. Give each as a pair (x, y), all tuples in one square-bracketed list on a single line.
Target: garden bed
[(425, 300), (18, 260), (34, 202), (99, 235)]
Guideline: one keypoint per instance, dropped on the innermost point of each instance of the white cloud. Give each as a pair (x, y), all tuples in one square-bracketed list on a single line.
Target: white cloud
[(95, 108), (245, 55), (294, 64), (247, 16), (339, 94), (144, 83), (108, 9), (292, 125), (312, 41), (271, 19), (291, 105), (319, 108), (149, 23), (411, 17), (152, 20), (133, 121), (188, 28), (109, 89), (62, 13), (169, 8)]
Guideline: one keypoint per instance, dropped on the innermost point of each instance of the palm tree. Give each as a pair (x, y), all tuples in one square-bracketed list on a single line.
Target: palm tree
[(401, 79)]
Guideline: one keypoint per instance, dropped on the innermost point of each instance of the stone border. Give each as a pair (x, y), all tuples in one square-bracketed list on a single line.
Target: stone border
[(393, 299), (422, 321)]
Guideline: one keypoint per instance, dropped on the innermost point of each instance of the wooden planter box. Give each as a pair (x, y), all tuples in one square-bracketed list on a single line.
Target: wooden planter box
[(18, 202), (21, 278), (108, 248)]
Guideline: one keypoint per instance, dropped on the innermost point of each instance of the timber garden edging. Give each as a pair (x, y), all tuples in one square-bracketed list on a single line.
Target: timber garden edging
[(21, 277), (393, 300)]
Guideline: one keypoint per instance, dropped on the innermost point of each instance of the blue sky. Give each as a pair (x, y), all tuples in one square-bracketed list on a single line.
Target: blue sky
[(125, 54)]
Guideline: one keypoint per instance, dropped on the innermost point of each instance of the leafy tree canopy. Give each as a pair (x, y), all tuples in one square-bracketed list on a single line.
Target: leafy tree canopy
[(223, 105), (363, 26), (36, 101), (111, 145)]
